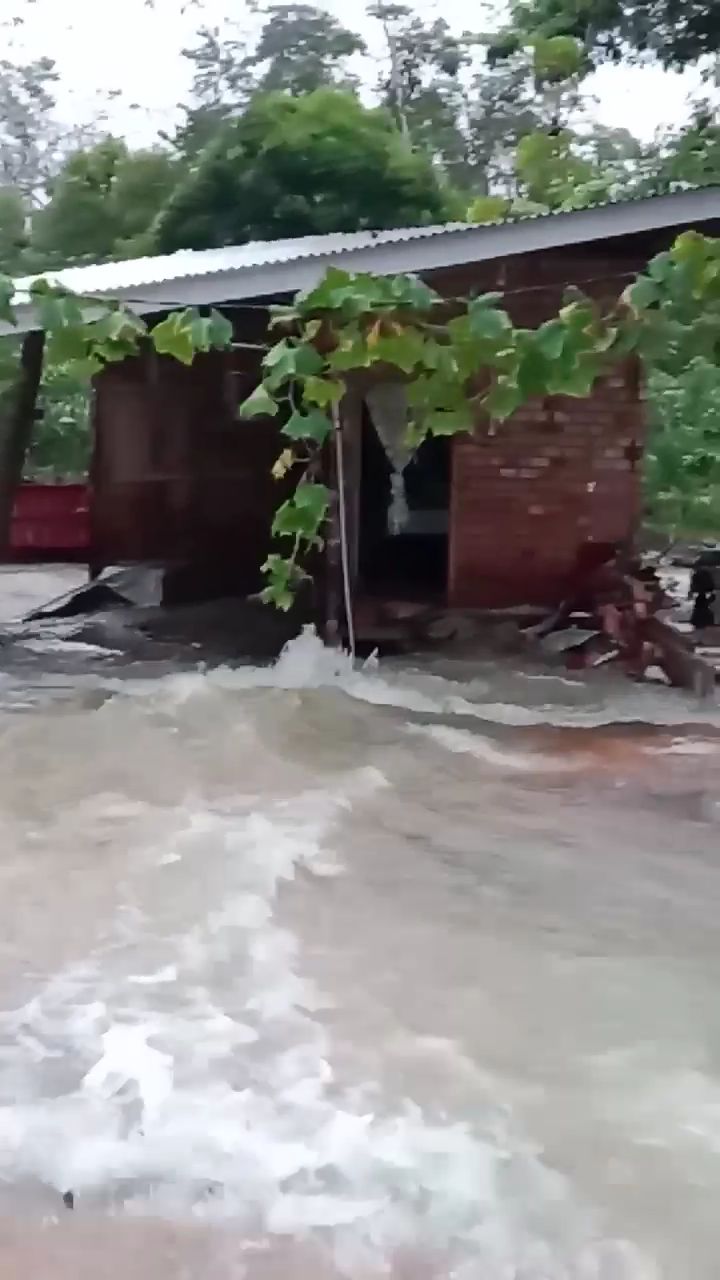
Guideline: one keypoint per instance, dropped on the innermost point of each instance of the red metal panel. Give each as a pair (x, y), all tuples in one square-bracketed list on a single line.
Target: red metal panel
[(50, 520)]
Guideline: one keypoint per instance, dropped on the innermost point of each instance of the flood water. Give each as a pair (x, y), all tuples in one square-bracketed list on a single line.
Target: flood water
[(312, 972)]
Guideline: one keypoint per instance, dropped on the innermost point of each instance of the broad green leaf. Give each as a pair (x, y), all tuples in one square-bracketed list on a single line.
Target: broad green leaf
[(258, 404), (330, 293), (313, 497), (503, 398), (550, 339), (533, 372), (173, 337), (486, 321), (576, 381), (288, 360), (117, 325), (7, 292), (302, 515), (643, 293), (313, 425), (200, 330), (410, 291), (578, 314), (308, 361), (322, 391), (450, 422), (283, 578), (405, 350), (354, 355), (68, 345), (56, 311)]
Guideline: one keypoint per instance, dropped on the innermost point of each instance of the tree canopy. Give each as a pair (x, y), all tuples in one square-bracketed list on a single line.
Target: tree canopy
[(103, 204), (677, 32), (302, 166)]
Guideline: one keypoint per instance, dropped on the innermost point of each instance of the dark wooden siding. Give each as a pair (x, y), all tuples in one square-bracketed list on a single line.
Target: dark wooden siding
[(176, 478)]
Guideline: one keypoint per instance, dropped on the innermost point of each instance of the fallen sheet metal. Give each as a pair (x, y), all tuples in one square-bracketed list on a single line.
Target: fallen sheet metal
[(138, 585)]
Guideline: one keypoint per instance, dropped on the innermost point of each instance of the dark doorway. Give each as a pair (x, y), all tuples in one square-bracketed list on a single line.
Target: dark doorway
[(412, 564)]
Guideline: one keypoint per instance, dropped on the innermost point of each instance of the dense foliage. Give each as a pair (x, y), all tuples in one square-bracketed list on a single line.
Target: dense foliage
[(293, 166), (678, 32)]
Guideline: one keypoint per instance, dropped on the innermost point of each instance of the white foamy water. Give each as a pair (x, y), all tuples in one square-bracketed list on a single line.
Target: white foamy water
[(301, 964)]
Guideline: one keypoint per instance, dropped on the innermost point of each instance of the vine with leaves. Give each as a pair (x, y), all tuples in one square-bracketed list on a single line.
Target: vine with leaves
[(464, 361)]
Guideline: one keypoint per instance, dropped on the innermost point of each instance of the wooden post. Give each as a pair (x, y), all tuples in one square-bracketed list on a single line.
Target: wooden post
[(333, 557), (17, 417)]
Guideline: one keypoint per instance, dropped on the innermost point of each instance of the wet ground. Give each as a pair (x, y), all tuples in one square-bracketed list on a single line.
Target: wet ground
[(312, 972)]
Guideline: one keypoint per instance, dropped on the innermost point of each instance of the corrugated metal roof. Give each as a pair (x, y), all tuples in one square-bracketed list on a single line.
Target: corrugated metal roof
[(136, 273), (265, 268)]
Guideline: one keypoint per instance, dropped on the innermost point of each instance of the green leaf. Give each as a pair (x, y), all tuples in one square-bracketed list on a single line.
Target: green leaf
[(7, 292), (313, 425), (578, 380), (550, 339), (313, 497), (308, 361), (67, 345), (351, 355), (486, 321), (57, 310), (503, 398), (333, 291), (412, 292), (644, 293), (174, 337), (284, 577), (323, 391), (405, 350), (302, 515), (288, 360), (533, 372), (259, 404), (449, 422)]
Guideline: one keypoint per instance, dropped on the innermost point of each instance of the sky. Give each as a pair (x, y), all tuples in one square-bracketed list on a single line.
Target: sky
[(102, 45)]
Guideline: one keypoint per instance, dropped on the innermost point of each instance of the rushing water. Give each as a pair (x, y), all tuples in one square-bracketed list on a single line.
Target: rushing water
[(316, 972)]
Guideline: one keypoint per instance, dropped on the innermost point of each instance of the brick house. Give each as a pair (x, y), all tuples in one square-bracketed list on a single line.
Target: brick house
[(491, 521)]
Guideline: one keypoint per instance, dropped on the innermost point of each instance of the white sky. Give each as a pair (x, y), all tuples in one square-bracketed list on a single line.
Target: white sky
[(101, 45)]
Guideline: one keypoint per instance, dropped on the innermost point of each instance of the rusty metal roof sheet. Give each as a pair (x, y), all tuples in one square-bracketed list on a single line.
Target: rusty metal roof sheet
[(271, 267)]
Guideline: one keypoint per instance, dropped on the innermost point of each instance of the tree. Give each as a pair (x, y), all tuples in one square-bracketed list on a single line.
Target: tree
[(687, 158), (301, 166), (682, 462), (103, 204), (302, 48), (13, 233), (29, 137), (677, 32), (421, 83)]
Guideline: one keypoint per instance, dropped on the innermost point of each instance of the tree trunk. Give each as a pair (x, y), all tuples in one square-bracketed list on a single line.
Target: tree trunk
[(17, 417)]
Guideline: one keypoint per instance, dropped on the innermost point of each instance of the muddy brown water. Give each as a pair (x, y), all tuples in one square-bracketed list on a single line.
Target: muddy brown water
[(312, 972)]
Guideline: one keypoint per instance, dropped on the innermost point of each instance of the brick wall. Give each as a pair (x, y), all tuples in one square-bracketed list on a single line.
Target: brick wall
[(562, 475), (530, 502)]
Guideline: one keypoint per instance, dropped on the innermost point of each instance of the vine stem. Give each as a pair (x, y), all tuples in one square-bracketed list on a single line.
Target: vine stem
[(342, 511)]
